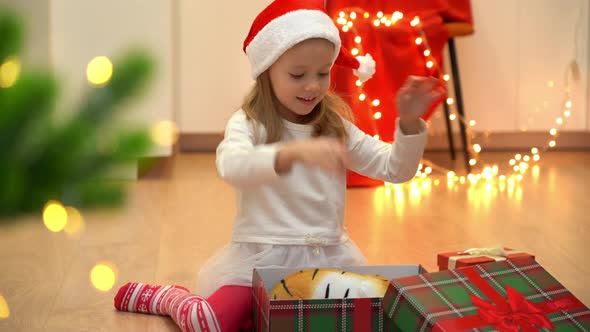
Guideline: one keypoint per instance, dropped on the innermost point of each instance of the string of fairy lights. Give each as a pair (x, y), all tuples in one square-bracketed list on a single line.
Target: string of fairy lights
[(517, 165)]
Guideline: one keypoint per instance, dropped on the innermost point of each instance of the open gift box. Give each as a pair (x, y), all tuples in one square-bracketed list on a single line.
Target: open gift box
[(345, 314)]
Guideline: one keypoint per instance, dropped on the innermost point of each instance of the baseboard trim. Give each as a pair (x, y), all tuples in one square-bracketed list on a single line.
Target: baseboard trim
[(199, 142), (510, 141), (489, 142)]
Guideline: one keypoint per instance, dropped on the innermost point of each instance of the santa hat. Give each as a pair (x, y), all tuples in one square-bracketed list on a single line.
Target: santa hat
[(285, 23)]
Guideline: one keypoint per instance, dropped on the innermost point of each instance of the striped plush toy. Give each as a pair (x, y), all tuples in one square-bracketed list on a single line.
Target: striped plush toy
[(329, 284)]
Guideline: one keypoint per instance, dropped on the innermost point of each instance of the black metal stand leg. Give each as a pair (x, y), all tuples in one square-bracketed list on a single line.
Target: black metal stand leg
[(459, 100), (449, 129)]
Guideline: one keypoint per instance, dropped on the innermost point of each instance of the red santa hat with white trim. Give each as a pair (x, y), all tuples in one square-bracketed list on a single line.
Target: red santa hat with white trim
[(285, 23)]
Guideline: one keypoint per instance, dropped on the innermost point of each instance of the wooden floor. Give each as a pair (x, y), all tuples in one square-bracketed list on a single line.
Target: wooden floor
[(172, 224)]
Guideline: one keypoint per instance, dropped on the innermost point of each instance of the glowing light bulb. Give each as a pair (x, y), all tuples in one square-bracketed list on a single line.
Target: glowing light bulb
[(553, 131), (362, 97), (559, 121), (350, 24), (550, 84), (526, 158), (472, 123), (477, 148), (358, 83), (568, 104), (428, 170), (415, 21), (4, 309), (446, 77), (353, 15), (426, 52), (472, 162), (452, 117), (517, 156), (380, 14), (419, 40), (366, 15), (376, 136), (358, 39), (397, 16), (99, 71), (341, 21), (345, 28), (534, 150), (377, 115), (341, 14), (164, 133), (376, 102), (450, 174), (567, 113), (536, 157), (512, 162), (102, 277), (450, 101), (552, 144), (354, 51), (55, 216), (429, 64), (376, 23), (9, 72)]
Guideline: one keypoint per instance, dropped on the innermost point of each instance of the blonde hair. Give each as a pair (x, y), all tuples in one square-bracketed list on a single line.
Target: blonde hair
[(261, 105)]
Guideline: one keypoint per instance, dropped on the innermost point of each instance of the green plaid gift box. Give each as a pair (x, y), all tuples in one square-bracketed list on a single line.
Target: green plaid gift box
[(352, 314), (512, 295)]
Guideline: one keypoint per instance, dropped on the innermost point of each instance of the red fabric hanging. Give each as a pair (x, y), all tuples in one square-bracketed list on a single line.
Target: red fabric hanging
[(397, 56)]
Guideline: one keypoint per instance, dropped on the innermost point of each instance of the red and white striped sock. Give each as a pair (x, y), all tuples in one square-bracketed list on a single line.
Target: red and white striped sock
[(191, 312)]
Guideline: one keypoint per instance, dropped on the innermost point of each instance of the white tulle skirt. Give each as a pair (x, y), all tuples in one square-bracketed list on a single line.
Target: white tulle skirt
[(233, 264)]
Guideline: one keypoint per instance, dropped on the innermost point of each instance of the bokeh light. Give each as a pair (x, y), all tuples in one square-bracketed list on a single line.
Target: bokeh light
[(103, 276), (55, 216), (99, 71), (4, 310), (164, 133), (9, 72)]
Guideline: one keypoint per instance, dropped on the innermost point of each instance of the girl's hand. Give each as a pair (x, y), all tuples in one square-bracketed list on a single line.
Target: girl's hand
[(414, 98), (328, 154)]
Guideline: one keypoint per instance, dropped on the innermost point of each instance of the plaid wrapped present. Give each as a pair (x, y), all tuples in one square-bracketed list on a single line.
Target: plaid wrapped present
[(512, 295), (475, 256), (351, 314)]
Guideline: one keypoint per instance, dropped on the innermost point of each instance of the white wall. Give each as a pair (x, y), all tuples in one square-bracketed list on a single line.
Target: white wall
[(83, 29), (518, 47), (34, 14), (214, 73)]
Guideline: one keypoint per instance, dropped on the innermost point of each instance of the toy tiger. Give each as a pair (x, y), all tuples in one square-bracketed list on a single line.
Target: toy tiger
[(328, 284)]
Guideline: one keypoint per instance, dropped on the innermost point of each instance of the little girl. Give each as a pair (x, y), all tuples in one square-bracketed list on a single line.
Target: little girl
[(286, 152)]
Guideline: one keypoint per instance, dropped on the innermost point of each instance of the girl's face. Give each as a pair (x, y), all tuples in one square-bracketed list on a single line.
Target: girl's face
[(300, 78)]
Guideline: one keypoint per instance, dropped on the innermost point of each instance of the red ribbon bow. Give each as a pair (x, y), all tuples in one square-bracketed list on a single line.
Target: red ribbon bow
[(513, 314)]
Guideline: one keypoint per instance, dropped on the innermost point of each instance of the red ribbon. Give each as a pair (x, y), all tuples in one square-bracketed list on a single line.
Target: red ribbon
[(513, 314)]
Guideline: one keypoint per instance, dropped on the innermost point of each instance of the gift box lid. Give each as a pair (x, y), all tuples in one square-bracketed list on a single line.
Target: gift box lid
[(509, 292), (461, 258)]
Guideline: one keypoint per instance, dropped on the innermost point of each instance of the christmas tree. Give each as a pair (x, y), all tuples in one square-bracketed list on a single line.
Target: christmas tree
[(44, 157)]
